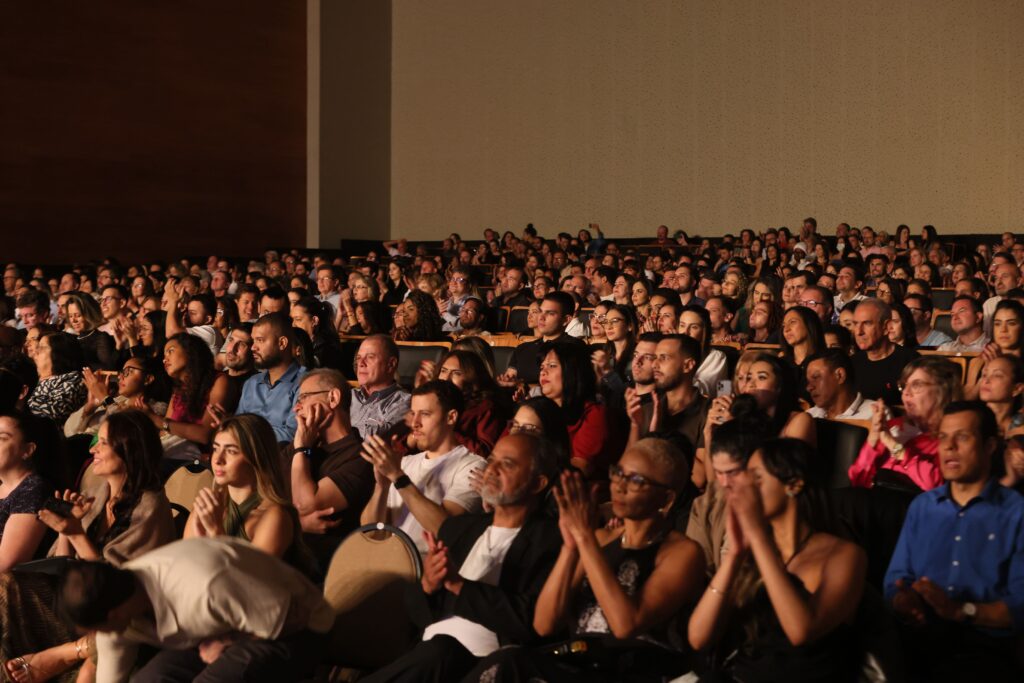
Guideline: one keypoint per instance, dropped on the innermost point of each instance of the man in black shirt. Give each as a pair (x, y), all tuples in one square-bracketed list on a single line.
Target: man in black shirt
[(556, 309), (878, 362)]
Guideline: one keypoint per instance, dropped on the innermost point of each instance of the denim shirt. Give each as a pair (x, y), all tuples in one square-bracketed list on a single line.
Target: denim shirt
[(273, 402), (378, 412)]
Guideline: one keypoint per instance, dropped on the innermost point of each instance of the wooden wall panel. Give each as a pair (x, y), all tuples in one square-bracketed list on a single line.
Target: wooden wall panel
[(143, 129)]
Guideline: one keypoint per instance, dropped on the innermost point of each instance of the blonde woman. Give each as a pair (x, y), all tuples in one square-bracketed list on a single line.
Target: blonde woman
[(361, 288)]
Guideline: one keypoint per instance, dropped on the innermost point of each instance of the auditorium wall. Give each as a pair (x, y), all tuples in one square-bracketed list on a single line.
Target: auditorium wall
[(151, 128), (708, 116)]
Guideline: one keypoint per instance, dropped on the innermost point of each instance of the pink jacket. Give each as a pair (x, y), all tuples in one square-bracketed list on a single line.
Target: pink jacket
[(920, 461)]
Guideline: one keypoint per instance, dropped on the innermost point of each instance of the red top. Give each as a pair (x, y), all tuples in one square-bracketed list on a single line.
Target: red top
[(920, 461), (479, 426), (592, 439)]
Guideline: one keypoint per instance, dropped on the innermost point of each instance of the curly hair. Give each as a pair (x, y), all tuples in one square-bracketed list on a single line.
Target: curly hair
[(197, 380), (428, 319)]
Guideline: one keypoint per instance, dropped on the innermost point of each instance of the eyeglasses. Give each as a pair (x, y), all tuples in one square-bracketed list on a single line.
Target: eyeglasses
[(460, 280), (634, 482), (524, 428), (916, 386), (810, 303), (610, 322), (127, 370), (302, 397)]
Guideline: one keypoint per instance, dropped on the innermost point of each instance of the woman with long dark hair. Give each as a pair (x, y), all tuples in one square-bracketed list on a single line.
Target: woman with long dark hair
[(418, 319), (613, 361), (567, 378), (149, 335), (29, 449), (779, 604), (695, 322), (122, 516), (802, 336), (314, 318)]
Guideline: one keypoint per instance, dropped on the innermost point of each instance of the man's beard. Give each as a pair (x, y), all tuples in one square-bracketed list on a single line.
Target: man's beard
[(496, 498), (268, 361)]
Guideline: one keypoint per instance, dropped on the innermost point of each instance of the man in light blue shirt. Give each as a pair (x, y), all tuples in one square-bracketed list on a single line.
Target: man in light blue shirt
[(271, 393)]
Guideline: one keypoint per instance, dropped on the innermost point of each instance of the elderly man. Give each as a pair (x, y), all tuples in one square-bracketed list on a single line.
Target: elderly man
[(484, 572), (379, 403), (831, 386), (878, 362), (218, 608), (1005, 276)]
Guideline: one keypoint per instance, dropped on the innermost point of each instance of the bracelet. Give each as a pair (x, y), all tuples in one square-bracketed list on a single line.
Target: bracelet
[(715, 590), (166, 425)]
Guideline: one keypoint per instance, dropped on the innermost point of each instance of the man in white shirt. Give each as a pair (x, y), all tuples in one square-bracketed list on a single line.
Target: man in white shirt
[(418, 492), (484, 572), (196, 319), (218, 608), (830, 384), (848, 283), (967, 320)]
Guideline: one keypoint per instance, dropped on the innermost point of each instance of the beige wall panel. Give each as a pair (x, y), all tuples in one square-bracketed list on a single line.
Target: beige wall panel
[(708, 116)]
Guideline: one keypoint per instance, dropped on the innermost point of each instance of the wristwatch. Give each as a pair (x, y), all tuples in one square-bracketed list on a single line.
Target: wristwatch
[(970, 611), (402, 482)]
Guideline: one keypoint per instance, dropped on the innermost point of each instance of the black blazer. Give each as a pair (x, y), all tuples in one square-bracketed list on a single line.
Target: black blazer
[(506, 609)]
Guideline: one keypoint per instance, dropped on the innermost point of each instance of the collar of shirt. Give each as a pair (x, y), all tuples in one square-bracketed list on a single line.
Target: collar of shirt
[(364, 397), (992, 493), (288, 376)]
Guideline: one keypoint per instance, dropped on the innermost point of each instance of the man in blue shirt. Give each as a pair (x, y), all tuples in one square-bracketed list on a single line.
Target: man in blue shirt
[(271, 393), (957, 574)]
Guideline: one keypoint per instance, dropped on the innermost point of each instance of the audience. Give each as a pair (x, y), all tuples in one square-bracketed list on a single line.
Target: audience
[(663, 322)]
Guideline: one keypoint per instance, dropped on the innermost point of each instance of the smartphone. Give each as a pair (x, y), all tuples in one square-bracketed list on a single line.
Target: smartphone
[(61, 508), (724, 387)]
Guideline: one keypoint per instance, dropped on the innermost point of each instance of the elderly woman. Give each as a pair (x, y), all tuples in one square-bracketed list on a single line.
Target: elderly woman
[(903, 451)]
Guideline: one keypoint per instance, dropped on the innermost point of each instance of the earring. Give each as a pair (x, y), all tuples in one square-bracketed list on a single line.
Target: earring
[(790, 494)]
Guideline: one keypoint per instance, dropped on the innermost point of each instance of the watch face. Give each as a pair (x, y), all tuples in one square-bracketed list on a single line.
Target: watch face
[(970, 609)]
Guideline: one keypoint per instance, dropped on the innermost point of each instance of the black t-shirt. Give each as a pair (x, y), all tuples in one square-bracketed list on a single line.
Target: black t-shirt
[(879, 378), (526, 357)]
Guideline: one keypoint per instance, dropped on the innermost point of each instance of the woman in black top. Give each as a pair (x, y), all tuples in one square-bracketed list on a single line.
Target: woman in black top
[(98, 347), (395, 287)]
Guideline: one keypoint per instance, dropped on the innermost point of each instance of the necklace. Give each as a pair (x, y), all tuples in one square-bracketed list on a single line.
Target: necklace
[(654, 539)]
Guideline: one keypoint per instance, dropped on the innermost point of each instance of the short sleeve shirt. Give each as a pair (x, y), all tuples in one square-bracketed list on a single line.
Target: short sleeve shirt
[(26, 499)]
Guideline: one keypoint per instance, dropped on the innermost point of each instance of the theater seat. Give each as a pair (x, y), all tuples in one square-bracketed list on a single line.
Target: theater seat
[(366, 584), (517, 318), (838, 445), (182, 488), (411, 354)]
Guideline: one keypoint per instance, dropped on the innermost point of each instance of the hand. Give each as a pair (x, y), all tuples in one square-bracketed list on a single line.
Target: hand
[(477, 478), (427, 372), (436, 564), (601, 362), (72, 524), (310, 422), (907, 603), (386, 463), (318, 522), (744, 500), (990, 352), (508, 378), (211, 648), (738, 541), (944, 607), (657, 412), (634, 406), (442, 306), (209, 510), (97, 386), (217, 414), (877, 422), (576, 511)]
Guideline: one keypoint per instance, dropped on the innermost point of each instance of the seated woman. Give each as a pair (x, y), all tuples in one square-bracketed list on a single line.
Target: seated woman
[(802, 337), (1007, 340), (695, 321), (61, 389), (195, 386), (542, 416), (138, 378), (124, 515), (85, 318), (361, 288), (149, 336), (613, 362), (777, 607), (765, 319), (768, 384), (249, 498), (617, 590), (314, 318), (1002, 389), (29, 447), (567, 378), (417, 319), (370, 317), (903, 452), (597, 335), (901, 326)]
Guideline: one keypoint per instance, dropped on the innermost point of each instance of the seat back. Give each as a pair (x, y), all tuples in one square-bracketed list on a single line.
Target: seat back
[(942, 298), (943, 323), (411, 354), (732, 356), (349, 348), (366, 584), (186, 482), (961, 360), (503, 358), (839, 444), (517, 318)]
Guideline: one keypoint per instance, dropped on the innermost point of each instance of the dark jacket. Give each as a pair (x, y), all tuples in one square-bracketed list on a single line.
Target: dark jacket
[(506, 609)]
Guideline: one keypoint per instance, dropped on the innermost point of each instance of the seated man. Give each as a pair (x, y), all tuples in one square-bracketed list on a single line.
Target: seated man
[(967, 320), (196, 319), (556, 310), (379, 403), (218, 608), (484, 572), (957, 574), (331, 483), (921, 308), (418, 492), (830, 382), (271, 393), (472, 318), (878, 362), (32, 308)]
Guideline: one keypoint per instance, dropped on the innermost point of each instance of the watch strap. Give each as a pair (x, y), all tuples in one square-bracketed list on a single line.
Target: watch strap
[(402, 482)]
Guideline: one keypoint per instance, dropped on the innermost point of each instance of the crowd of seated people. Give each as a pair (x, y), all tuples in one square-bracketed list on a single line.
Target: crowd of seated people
[(767, 456)]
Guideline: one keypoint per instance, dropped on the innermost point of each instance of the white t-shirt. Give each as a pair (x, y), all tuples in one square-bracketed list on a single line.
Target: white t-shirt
[(445, 477), (483, 564), (208, 334)]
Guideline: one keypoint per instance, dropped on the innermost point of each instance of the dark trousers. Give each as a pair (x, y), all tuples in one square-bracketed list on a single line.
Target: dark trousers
[(442, 659), (293, 658)]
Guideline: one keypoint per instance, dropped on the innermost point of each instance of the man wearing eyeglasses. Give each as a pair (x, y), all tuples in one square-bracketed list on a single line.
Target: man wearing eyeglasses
[(920, 308), (819, 300)]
